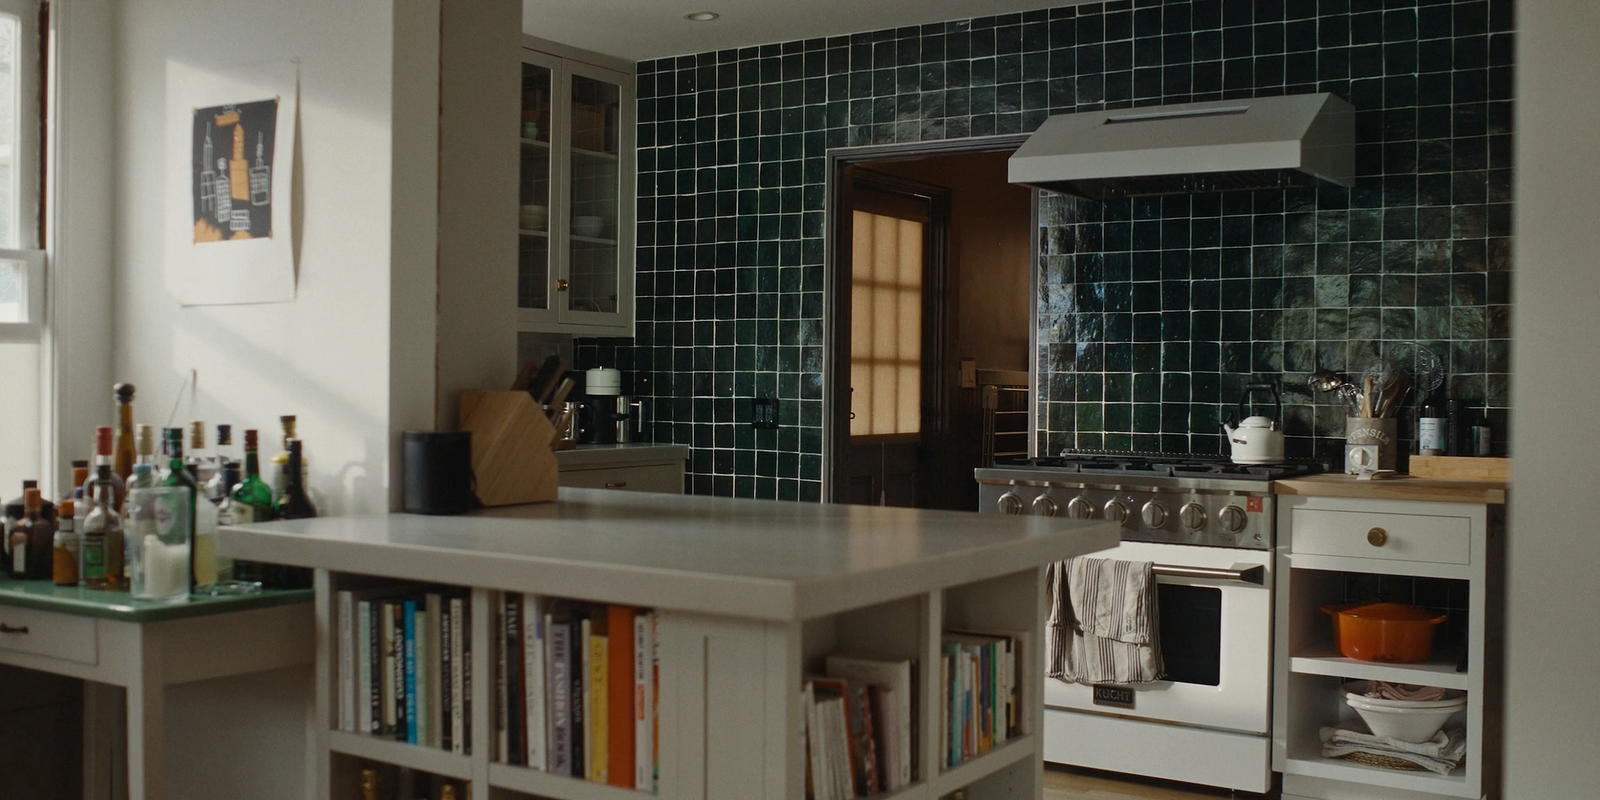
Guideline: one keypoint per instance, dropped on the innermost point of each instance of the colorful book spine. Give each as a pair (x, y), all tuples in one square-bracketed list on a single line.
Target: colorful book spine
[(408, 620), (458, 741), (599, 697), (447, 680), (533, 675), (643, 701), (364, 666), (514, 703), (619, 696), (560, 698), (425, 688)]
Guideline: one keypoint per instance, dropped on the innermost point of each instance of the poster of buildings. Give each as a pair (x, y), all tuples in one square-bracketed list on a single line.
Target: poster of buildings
[(232, 172), (230, 153)]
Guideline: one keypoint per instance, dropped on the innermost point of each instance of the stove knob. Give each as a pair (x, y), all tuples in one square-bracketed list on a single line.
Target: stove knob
[(1117, 511), (1045, 506), (1232, 518), (1193, 516), (1155, 514), (1080, 508), (1009, 503)]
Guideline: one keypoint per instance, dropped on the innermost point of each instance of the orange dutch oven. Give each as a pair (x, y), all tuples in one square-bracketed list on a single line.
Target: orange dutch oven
[(1389, 632)]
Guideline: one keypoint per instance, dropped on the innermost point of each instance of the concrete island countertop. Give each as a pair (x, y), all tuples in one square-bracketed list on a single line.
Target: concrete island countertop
[(1403, 487), (754, 559)]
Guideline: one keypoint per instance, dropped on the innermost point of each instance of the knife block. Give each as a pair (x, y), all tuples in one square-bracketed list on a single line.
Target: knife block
[(511, 457)]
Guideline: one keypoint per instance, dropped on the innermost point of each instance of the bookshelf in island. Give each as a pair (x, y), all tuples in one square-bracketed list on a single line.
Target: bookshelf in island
[(747, 633)]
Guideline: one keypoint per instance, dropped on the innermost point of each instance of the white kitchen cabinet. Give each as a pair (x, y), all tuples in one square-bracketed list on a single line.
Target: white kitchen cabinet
[(1332, 550), (630, 467), (575, 221)]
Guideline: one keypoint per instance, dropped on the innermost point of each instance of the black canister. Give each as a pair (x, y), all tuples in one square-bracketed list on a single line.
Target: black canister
[(438, 472)]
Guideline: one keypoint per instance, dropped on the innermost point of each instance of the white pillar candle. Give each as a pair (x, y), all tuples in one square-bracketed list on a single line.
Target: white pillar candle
[(166, 568)]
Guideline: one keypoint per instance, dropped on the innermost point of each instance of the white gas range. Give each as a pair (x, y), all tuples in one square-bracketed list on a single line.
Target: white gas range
[(1208, 526)]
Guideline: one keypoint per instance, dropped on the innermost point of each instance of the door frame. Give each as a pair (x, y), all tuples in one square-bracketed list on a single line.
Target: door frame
[(836, 287)]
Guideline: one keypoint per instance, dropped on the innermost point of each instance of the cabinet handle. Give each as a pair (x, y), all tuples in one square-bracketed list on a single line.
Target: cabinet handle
[(616, 485), (562, 284), (4, 628), (1377, 537)]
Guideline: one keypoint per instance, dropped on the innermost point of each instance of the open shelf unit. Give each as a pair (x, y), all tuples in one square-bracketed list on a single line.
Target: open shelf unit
[(729, 703), (1448, 554)]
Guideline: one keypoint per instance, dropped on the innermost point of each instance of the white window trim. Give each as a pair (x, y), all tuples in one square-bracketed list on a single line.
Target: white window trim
[(33, 283)]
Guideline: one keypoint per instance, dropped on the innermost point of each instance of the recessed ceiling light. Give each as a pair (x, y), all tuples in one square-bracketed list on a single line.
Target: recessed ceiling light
[(701, 16)]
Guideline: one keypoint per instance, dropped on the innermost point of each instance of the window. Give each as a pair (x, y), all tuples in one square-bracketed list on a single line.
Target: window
[(886, 325), (22, 263)]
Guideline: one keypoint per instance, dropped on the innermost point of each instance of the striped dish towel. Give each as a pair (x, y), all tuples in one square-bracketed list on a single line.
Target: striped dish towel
[(1103, 626)]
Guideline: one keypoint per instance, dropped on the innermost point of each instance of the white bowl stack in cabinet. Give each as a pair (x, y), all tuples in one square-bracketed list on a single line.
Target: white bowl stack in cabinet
[(1321, 540)]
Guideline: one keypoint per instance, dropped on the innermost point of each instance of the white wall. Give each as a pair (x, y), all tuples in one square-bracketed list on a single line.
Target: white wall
[(325, 357), (1552, 711)]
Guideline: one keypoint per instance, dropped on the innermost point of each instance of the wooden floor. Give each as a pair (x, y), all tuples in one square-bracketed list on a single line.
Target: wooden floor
[(1061, 783)]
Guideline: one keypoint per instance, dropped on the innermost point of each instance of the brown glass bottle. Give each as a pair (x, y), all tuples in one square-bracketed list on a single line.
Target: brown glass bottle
[(103, 455), (40, 534), (122, 463), (64, 561)]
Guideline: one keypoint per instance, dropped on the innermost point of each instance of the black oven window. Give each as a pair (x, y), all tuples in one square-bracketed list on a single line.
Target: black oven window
[(1191, 633)]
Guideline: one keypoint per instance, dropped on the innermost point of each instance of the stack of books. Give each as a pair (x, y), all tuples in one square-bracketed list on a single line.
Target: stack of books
[(405, 665), (980, 696), (576, 684), (859, 727)]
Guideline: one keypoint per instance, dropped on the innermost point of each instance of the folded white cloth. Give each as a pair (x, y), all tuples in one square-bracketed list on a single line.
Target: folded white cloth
[(1103, 626), (1385, 690), (1440, 754)]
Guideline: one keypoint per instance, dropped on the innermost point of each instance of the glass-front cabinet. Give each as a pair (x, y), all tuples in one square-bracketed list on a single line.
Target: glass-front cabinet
[(575, 222)]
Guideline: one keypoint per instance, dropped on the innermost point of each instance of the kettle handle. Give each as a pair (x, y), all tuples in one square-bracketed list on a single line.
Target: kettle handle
[(1270, 387)]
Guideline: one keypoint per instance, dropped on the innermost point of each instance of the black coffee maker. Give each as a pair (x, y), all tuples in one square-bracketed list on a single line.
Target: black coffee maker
[(608, 416)]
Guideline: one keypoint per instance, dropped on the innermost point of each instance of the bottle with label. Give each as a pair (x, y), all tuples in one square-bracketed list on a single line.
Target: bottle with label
[(125, 447), (1483, 436), (281, 460), (218, 485), (40, 534), (201, 463), (178, 474), (250, 501), (92, 561), (1430, 430), (17, 548), (103, 455), (64, 563)]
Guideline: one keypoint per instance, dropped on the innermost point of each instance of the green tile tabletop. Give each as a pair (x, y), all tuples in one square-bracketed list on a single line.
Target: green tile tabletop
[(119, 605)]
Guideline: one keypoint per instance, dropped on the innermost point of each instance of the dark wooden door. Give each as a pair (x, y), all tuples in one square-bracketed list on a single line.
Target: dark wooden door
[(892, 264)]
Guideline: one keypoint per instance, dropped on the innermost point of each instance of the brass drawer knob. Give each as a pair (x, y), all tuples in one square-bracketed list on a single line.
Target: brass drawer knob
[(1377, 537)]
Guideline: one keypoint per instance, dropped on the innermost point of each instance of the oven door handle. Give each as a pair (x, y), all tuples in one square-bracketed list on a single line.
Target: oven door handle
[(1243, 573)]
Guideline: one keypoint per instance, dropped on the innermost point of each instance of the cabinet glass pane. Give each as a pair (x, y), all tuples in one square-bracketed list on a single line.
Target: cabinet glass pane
[(533, 250), (593, 254)]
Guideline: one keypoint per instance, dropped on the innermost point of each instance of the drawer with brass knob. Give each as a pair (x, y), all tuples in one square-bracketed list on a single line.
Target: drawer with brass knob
[(1399, 537)]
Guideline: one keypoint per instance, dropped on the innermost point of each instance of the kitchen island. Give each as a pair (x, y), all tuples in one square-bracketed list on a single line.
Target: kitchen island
[(750, 597)]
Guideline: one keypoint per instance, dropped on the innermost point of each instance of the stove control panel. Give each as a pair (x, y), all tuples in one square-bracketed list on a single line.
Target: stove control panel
[(1212, 515)]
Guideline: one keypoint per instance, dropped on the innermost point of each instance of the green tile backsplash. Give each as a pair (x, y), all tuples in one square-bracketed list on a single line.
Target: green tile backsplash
[(1153, 312)]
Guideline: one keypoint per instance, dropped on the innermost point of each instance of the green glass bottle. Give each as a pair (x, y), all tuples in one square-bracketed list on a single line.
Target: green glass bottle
[(178, 474), (293, 504), (250, 500)]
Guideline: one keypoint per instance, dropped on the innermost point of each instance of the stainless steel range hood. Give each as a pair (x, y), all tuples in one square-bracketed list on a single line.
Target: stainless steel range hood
[(1254, 143)]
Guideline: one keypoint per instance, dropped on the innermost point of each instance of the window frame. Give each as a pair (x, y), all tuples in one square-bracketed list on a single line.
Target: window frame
[(32, 278)]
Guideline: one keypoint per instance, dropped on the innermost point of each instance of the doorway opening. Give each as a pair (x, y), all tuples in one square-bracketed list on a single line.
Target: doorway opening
[(930, 276)]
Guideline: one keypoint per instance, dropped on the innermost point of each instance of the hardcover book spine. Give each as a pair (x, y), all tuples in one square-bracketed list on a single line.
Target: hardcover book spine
[(560, 699), (408, 618)]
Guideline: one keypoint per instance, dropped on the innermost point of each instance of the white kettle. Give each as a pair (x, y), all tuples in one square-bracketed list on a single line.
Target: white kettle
[(1256, 439)]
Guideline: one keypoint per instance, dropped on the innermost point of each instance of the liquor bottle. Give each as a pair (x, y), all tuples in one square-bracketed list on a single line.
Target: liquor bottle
[(103, 455), (178, 474), (147, 446), (14, 510), (1430, 430), (80, 473), (64, 562), (17, 545), (103, 542), (293, 504), (281, 460), (231, 474), (123, 392), (218, 485), (40, 533), (251, 501), (200, 461), (119, 557)]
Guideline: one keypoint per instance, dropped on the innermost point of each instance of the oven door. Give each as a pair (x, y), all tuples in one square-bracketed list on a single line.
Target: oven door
[(1216, 642)]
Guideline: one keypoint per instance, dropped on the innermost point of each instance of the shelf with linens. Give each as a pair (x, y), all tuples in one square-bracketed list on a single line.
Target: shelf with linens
[(1440, 558)]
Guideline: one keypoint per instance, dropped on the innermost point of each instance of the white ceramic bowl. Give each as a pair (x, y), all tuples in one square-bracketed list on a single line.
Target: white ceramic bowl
[(1358, 690), (1404, 724), (588, 226)]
